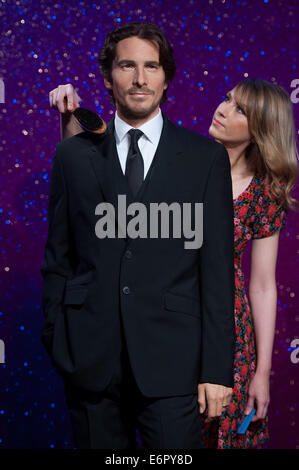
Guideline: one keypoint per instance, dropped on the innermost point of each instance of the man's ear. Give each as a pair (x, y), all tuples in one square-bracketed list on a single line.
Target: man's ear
[(107, 83), (165, 86)]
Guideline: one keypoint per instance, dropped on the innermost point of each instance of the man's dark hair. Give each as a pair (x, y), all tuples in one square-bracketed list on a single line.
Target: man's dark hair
[(148, 31)]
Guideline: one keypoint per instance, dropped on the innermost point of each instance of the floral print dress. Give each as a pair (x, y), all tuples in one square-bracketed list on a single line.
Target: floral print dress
[(255, 216)]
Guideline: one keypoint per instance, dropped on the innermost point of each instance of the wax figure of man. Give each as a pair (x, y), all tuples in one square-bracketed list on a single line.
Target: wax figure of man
[(134, 325)]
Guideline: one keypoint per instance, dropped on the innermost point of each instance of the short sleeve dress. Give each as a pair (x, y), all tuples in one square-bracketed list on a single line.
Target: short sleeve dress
[(255, 217)]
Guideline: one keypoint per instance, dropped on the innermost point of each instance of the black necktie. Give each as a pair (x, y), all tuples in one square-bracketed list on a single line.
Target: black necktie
[(134, 164)]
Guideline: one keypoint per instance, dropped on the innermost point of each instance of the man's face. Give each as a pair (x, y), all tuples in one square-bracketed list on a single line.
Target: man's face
[(138, 79)]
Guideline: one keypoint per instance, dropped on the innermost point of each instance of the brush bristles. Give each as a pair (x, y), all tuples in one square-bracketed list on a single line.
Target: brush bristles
[(88, 119)]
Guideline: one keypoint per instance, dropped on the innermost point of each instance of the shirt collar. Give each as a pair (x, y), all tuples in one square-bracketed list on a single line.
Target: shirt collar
[(152, 128)]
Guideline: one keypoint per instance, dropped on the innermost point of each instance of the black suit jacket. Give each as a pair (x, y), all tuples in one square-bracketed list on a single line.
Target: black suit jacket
[(175, 305)]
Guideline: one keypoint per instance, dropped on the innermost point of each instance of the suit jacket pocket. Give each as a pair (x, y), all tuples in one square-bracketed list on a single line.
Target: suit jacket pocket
[(82, 279), (181, 303), (75, 295)]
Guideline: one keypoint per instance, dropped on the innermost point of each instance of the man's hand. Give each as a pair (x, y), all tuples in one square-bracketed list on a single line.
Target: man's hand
[(56, 98), (217, 397)]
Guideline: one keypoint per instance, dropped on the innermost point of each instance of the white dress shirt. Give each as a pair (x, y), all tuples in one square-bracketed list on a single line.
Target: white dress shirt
[(147, 143)]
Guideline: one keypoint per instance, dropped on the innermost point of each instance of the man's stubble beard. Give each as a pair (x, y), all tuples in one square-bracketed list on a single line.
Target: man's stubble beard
[(129, 113)]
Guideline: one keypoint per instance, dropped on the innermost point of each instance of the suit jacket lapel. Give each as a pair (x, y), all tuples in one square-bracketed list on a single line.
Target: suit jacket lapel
[(104, 159), (168, 152)]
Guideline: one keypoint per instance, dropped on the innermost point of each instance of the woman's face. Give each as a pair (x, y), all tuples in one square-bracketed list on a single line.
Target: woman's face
[(229, 125)]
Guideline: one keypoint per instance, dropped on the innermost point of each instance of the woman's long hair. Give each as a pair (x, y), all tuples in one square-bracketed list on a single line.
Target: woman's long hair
[(273, 152)]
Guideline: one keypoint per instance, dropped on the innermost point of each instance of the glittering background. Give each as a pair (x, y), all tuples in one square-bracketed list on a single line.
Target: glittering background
[(43, 44)]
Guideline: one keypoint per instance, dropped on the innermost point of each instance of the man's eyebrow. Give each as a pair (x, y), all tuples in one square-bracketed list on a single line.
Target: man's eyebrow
[(125, 61), (152, 62), (130, 61)]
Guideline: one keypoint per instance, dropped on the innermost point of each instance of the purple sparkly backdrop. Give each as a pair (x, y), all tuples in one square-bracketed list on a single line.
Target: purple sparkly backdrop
[(43, 44)]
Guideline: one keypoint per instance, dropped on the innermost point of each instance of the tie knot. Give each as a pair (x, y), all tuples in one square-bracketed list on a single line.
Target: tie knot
[(135, 135)]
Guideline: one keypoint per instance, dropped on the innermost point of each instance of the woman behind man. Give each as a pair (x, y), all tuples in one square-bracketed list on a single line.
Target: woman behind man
[(255, 123)]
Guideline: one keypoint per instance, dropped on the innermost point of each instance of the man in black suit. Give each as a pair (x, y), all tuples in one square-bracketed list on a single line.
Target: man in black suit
[(140, 329)]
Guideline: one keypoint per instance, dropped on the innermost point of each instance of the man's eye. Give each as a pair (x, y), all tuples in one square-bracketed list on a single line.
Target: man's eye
[(126, 66), (152, 66)]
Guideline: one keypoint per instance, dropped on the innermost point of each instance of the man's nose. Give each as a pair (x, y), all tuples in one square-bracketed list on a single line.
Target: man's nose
[(140, 76)]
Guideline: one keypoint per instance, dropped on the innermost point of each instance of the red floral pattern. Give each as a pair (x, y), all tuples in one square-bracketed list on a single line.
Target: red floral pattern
[(255, 216)]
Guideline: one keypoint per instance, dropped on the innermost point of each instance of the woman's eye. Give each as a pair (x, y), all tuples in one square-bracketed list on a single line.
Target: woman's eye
[(240, 109)]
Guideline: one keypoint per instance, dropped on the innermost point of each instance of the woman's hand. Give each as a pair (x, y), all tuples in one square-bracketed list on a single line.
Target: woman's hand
[(57, 96), (66, 99), (258, 396)]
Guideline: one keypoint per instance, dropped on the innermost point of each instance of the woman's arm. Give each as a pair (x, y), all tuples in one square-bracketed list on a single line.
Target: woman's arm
[(263, 301), (68, 124), (263, 297)]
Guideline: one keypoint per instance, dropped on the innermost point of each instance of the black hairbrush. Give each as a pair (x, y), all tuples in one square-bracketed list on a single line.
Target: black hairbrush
[(88, 120)]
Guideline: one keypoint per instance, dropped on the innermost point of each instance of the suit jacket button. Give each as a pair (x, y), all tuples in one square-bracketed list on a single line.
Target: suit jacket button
[(126, 290), (128, 254)]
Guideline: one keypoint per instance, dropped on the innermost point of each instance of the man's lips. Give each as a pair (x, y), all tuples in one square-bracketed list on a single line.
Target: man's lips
[(139, 94), (218, 123)]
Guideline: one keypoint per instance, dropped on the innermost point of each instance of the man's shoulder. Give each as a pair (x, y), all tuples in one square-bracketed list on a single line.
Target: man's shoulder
[(82, 140), (193, 138)]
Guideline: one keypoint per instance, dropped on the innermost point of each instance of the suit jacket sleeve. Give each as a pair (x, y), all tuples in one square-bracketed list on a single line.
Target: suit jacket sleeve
[(56, 266), (217, 275)]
